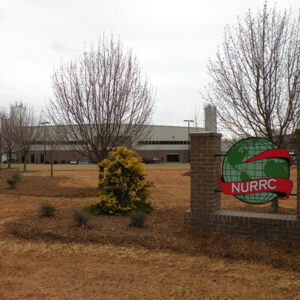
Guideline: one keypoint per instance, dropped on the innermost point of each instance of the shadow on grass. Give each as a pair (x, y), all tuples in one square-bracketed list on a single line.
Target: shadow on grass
[(164, 231), (44, 186)]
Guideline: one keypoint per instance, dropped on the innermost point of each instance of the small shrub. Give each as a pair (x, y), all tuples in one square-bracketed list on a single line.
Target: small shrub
[(93, 209), (13, 178), (11, 181), (137, 218), (47, 210), (81, 218), (122, 185), (16, 175)]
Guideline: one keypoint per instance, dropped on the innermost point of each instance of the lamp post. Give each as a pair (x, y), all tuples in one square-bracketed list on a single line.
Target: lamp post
[(189, 146), (44, 127)]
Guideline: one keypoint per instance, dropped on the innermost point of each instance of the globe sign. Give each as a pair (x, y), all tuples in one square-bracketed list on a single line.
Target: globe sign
[(256, 171)]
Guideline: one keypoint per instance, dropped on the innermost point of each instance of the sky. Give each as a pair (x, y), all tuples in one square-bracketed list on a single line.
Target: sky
[(173, 41)]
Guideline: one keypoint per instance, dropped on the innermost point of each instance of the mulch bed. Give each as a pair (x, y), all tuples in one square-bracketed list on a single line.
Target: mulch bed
[(164, 230)]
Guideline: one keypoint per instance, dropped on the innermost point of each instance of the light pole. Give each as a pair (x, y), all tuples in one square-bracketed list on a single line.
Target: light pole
[(44, 127), (189, 146)]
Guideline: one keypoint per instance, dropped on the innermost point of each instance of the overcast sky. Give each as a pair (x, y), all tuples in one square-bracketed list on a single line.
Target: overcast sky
[(172, 39)]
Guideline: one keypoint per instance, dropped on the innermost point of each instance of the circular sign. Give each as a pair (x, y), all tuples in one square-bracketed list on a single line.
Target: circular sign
[(256, 171)]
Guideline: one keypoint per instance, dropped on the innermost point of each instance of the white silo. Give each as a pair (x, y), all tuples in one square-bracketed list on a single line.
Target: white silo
[(17, 112), (210, 118)]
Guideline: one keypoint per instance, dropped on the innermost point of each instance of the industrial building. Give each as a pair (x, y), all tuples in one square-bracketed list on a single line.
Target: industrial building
[(159, 143)]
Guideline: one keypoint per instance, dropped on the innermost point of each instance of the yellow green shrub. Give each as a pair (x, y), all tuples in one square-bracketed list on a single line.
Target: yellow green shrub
[(122, 184)]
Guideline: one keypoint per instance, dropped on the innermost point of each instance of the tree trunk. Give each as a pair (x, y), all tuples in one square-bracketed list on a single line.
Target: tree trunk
[(8, 161), (103, 155), (275, 206), (25, 161), (51, 163)]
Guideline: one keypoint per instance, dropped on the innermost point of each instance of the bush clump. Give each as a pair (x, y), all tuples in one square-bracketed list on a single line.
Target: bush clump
[(46, 210), (13, 178), (81, 218), (122, 185), (16, 175), (137, 218), (11, 182)]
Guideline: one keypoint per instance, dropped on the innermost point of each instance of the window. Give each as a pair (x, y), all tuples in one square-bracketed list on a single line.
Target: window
[(163, 142)]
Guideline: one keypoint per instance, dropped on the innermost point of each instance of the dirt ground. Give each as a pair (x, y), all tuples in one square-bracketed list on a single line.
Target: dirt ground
[(53, 259)]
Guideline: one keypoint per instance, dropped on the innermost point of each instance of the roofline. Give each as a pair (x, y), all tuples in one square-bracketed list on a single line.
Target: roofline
[(146, 125)]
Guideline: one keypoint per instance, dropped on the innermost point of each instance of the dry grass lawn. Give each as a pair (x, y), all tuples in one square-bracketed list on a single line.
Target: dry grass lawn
[(53, 259)]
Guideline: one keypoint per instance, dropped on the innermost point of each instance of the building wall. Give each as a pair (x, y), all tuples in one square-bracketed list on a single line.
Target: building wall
[(162, 154), (59, 156), (158, 142), (65, 156)]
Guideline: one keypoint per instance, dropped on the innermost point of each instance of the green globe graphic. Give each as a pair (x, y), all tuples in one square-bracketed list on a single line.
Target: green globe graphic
[(235, 170)]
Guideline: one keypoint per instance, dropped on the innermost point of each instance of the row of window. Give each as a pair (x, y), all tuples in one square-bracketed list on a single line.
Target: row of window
[(75, 142), (34, 159), (140, 142), (61, 143), (164, 142)]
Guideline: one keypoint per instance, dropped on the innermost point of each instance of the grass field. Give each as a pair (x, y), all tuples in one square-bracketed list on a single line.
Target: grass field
[(93, 167), (53, 259)]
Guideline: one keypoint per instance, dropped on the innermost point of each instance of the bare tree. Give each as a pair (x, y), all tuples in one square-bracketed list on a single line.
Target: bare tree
[(2, 118), (8, 141), (101, 99), (256, 76), (27, 130)]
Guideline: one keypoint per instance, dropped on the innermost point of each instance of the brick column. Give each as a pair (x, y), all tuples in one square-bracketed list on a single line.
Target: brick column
[(298, 170), (205, 170)]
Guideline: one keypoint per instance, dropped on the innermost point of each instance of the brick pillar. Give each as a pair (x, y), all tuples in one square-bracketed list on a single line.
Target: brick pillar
[(205, 170), (298, 170)]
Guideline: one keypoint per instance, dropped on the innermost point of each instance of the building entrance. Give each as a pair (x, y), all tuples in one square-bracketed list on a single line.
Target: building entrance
[(172, 157)]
